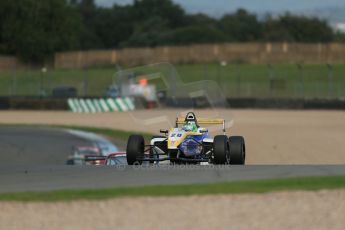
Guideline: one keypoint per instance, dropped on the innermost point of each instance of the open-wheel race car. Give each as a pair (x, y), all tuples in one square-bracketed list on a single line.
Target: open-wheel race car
[(113, 159), (188, 142)]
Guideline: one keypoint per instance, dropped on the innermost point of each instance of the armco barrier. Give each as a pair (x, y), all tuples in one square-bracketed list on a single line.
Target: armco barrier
[(100, 105), (94, 105), (287, 103), (262, 103), (32, 103), (4, 103)]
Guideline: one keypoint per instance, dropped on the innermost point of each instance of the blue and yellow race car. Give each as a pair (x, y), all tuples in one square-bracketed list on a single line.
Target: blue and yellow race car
[(188, 142)]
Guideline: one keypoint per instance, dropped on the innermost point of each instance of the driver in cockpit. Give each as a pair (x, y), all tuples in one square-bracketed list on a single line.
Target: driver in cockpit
[(190, 126)]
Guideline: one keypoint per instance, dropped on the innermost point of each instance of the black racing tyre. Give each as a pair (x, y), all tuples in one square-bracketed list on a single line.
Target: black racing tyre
[(173, 158), (221, 149), (135, 149), (237, 150)]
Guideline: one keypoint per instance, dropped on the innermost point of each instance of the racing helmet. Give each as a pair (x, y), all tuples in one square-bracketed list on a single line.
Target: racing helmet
[(190, 126)]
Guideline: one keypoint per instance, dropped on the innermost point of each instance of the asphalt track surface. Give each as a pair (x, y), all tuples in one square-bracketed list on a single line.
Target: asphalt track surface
[(32, 159), (46, 178), (36, 146)]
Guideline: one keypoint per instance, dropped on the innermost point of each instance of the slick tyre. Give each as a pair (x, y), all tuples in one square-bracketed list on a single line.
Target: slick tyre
[(135, 149), (221, 149), (237, 150)]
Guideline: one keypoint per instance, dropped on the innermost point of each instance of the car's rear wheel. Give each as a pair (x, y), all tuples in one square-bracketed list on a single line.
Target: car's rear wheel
[(135, 149), (221, 149), (237, 150)]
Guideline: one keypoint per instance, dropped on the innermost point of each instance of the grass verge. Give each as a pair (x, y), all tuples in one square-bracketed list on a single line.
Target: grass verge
[(111, 133), (258, 186), (236, 80)]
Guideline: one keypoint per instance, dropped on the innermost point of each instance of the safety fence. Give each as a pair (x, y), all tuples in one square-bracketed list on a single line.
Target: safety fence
[(253, 53), (101, 105)]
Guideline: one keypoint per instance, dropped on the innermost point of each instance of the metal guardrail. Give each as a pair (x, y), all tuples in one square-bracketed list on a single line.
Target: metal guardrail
[(37, 103)]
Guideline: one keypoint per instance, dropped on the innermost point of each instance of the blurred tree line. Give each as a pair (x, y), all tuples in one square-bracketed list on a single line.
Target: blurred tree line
[(35, 29)]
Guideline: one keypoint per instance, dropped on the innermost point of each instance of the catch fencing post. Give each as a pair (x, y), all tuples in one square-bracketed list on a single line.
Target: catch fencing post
[(301, 75), (14, 82), (218, 75), (238, 74), (270, 78), (330, 80), (205, 71), (42, 86), (86, 81), (49, 82), (221, 66)]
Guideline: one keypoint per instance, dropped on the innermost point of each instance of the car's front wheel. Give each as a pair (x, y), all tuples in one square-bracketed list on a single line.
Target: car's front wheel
[(135, 149)]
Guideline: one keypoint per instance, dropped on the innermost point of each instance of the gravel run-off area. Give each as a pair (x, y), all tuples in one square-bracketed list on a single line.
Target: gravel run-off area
[(279, 210), (272, 136)]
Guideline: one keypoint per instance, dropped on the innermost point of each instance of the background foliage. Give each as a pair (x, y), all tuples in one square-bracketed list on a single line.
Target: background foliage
[(35, 29)]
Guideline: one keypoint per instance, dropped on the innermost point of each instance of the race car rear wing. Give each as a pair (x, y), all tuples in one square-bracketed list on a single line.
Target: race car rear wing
[(203, 121)]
